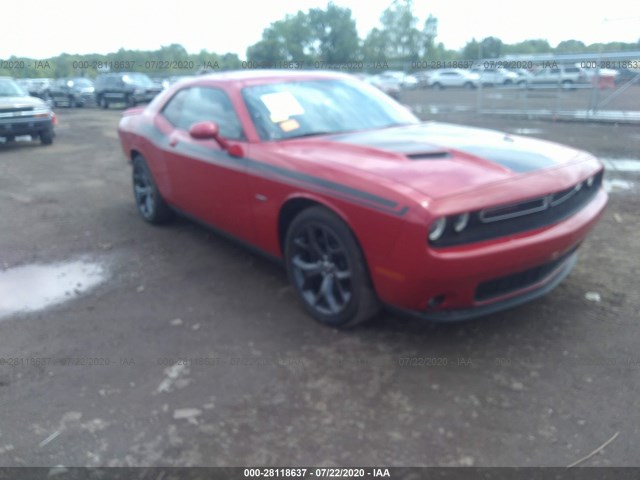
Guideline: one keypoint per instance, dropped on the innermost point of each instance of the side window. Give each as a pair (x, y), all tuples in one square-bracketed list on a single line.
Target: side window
[(198, 104), (173, 110)]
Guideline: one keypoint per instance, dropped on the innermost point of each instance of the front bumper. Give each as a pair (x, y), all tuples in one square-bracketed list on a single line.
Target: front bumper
[(478, 279), (12, 127), (524, 296)]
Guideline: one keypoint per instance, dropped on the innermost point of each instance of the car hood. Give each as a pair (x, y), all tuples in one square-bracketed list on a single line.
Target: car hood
[(435, 159), (21, 102)]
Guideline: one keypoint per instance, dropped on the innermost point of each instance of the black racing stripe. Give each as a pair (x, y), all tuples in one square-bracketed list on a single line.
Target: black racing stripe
[(207, 155), (321, 182), (416, 143), (517, 161)]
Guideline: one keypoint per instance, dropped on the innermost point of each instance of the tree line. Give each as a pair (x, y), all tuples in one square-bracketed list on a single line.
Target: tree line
[(319, 36)]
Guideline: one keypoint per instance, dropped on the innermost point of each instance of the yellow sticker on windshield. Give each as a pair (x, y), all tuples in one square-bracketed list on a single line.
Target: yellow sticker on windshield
[(289, 125)]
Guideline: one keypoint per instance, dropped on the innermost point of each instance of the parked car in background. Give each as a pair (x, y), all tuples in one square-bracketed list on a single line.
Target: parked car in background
[(566, 76), (496, 76), (128, 88), (22, 114), (387, 83), (404, 80), (523, 76), (364, 204), (423, 78), (626, 75), (453, 77), (168, 81), (72, 92), (37, 87)]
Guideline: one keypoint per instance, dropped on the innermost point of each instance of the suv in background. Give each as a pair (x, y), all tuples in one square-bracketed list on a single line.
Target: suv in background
[(564, 75), (73, 92), (125, 87), (22, 114)]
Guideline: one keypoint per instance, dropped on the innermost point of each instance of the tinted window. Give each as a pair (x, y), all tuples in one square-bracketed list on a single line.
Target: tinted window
[(198, 104), (173, 109)]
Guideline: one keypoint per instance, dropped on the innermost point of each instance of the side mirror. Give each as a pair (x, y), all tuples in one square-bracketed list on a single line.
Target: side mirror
[(210, 131), (204, 131)]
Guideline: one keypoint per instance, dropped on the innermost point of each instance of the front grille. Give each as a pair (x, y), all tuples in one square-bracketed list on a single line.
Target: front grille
[(517, 281), (15, 109), (505, 220)]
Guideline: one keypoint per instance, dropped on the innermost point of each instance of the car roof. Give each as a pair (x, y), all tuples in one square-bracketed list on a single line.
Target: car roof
[(250, 77)]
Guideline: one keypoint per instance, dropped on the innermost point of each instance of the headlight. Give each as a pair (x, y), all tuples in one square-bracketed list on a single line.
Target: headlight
[(460, 222), (437, 229)]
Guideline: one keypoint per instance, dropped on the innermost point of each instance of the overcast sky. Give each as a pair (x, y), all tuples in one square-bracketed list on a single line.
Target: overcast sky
[(42, 28)]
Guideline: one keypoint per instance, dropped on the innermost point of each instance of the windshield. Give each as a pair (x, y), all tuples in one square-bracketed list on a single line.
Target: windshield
[(138, 79), (296, 109), (9, 88)]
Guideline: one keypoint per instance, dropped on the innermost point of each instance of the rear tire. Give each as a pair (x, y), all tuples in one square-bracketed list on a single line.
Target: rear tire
[(438, 86), (327, 269), (150, 203)]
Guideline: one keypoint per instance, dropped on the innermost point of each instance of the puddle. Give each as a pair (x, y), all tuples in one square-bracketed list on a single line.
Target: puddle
[(614, 185), (29, 288), (621, 164), (527, 131)]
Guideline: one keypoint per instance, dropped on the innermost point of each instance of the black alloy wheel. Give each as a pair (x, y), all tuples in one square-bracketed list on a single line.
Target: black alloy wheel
[(327, 269)]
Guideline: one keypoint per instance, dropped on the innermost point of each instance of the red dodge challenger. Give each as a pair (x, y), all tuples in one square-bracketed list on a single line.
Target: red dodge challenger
[(364, 204)]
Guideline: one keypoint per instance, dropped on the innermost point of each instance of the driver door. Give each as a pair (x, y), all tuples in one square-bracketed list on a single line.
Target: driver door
[(206, 182)]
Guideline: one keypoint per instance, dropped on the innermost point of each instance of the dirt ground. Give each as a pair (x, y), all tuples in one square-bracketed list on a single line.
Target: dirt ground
[(541, 385)]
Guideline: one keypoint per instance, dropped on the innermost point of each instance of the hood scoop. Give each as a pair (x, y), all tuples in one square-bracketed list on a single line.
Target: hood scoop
[(429, 155)]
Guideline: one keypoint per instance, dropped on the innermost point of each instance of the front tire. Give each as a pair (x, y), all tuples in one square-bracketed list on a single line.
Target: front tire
[(150, 203), (327, 269), (46, 137)]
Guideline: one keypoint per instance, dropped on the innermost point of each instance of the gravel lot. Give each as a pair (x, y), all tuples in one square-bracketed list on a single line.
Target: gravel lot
[(93, 381)]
